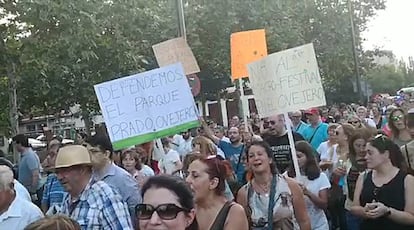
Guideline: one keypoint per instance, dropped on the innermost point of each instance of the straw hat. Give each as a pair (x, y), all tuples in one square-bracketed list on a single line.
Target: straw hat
[(72, 155)]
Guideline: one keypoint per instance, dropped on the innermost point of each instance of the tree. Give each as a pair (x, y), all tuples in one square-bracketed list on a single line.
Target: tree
[(72, 45), (63, 47)]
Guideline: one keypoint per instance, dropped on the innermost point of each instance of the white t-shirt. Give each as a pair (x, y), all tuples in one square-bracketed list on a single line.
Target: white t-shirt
[(370, 122), (146, 171), (323, 148), (182, 146), (316, 215), (330, 154), (168, 162)]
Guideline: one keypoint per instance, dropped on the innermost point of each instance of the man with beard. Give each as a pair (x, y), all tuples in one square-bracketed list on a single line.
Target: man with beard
[(233, 150), (277, 138)]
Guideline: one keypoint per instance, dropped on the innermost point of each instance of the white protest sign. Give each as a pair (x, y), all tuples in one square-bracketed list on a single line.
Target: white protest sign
[(145, 106), (287, 81), (174, 51)]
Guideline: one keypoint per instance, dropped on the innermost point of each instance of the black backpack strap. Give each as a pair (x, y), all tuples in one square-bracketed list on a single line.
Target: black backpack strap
[(220, 220), (408, 157), (313, 135)]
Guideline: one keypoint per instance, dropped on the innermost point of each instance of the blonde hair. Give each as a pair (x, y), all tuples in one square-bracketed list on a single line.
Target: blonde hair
[(55, 222), (207, 147)]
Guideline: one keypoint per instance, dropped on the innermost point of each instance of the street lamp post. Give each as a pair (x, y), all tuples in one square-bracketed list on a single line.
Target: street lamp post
[(355, 52), (181, 20)]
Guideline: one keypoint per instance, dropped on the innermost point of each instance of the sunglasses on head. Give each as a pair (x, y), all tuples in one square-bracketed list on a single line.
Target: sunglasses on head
[(164, 211), (397, 118)]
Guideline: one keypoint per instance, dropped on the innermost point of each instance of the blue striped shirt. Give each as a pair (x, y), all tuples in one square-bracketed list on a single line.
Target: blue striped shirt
[(98, 207), (53, 192)]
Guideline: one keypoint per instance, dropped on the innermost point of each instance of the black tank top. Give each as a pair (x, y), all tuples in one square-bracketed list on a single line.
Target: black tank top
[(391, 194)]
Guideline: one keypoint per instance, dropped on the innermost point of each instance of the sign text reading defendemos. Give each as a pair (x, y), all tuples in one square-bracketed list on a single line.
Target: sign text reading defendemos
[(287, 81), (174, 51), (145, 106)]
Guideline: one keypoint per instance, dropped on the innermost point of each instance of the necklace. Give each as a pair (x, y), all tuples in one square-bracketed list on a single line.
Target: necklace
[(265, 188)]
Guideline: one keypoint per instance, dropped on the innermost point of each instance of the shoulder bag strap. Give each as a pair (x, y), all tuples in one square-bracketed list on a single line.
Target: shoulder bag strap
[(313, 135), (408, 157), (271, 204), (238, 162), (220, 220)]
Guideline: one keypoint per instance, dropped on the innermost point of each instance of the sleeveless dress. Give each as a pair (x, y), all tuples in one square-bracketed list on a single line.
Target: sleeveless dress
[(283, 213), (391, 194)]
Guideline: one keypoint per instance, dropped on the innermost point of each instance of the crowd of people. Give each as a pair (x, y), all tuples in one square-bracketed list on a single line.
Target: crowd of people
[(355, 172)]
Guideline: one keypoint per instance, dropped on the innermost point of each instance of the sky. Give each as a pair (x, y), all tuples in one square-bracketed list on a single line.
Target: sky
[(393, 29)]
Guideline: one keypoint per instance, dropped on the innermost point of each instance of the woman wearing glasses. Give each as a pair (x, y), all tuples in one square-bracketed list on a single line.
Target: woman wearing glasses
[(207, 181), (167, 203), (384, 196), (336, 161), (271, 200), (397, 124)]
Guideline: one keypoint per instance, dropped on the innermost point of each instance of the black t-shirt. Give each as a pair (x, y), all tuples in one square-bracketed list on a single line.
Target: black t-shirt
[(281, 149)]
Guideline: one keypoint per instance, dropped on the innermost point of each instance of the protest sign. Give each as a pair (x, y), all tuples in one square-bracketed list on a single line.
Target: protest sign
[(174, 51), (246, 47), (145, 106), (287, 81)]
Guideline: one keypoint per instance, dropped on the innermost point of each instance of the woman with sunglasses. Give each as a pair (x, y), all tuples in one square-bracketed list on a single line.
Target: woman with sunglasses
[(167, 203), (355, 121), (271, 200), (336, 161), (397, 123), (213, 211), (383, 197)]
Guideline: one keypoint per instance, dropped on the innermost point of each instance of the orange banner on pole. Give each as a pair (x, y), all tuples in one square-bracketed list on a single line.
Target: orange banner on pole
[(246, 47)]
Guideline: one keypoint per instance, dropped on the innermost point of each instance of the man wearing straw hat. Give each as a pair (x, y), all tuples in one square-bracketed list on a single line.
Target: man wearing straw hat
[(93, 204)]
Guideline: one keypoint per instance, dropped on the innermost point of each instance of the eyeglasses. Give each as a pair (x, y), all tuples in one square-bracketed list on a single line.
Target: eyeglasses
[(397, 118), (164, 211)]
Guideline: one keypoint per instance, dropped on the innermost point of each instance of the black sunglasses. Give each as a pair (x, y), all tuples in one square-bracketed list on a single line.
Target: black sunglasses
[(164, 211)]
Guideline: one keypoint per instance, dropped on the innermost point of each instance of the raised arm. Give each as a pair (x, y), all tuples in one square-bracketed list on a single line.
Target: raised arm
[(209, 133)]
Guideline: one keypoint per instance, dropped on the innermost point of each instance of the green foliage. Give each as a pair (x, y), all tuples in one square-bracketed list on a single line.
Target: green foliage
[(390, 78), (62, 48)]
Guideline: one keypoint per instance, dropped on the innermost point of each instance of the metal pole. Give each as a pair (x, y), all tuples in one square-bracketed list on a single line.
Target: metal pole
[(181, 20), (13, 115), (355, 52)]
